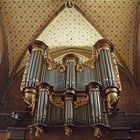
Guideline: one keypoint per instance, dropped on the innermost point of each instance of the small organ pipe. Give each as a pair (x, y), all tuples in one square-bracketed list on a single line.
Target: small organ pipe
[(70, 75), (69, 106), (97, 74), (43, 100), (94, 89)]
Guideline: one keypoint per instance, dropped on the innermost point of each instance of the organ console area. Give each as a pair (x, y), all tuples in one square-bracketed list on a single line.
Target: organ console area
[(72, 91)]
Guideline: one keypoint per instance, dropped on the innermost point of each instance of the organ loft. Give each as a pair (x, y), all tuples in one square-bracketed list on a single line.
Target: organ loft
[(69, 69)]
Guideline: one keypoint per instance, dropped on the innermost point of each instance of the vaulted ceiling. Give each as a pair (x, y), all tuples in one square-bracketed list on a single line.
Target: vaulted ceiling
[(25, 20), (69, 29)]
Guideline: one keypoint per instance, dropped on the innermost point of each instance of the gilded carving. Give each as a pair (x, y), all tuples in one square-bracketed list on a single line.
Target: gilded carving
[(90, 64), (80, 101), (25, 72), (117, 76), (68, 131), (62, 68), (56, 101), (30, 99), (38, 131), (79, 67), (97, 132), (112, 99), (51, 64)]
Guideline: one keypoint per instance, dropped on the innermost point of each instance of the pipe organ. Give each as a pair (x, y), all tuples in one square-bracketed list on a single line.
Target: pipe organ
[(71, 93), (111, 91)]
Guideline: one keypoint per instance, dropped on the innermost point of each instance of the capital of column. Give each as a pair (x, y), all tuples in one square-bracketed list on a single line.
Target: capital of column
[(69, 94), (104, 44), (37, 45), (94, 85), (44, 85), (70, 58)]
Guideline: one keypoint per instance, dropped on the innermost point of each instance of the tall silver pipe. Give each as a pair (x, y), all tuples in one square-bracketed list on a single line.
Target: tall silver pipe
[(69, 97), (36, 49), (105, 48), (34, 73)]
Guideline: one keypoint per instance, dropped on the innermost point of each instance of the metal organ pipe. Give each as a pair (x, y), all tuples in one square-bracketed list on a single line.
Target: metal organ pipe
[(105, 48), (44, 90), (70, 75), (36, 49), (94, 89), (42, 107), (69, 106), (48, 86), (70, 61), (97, 74)]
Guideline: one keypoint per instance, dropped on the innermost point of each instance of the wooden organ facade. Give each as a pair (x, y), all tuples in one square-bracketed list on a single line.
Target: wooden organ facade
[(71, 94), (69, 97), (70, 85)]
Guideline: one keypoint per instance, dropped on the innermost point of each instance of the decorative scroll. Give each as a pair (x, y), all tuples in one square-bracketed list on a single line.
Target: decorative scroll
[(26, 69), (91, 62), (115, 67), (79, 67), (62, 68)]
